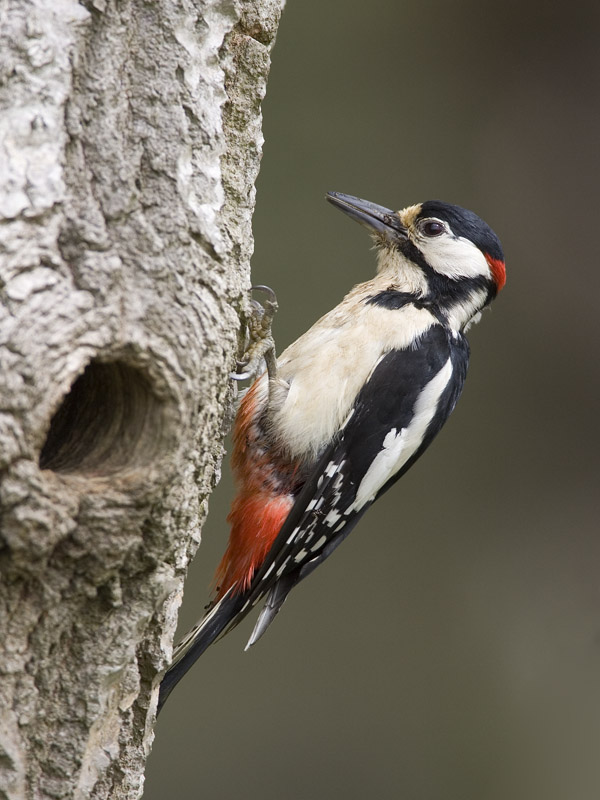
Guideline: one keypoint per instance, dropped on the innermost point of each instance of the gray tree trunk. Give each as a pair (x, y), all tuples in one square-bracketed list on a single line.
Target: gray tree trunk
[(130, 139)]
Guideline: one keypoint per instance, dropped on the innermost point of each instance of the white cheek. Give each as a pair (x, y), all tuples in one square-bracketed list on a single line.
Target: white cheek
[(455, 257)]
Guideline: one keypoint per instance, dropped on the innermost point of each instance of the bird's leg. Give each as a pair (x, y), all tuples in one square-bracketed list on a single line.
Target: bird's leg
[(260, 342)]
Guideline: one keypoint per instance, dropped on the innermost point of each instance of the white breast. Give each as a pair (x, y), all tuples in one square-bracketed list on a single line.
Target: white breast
[(326, 368)]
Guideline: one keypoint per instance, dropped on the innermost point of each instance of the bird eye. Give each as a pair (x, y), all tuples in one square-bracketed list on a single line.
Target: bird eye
[(432, 227)]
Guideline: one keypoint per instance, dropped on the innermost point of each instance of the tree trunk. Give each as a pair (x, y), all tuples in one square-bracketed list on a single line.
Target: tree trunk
[(130, 140)]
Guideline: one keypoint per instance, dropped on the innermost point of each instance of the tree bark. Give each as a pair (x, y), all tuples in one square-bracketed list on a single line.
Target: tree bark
[(130, 139)]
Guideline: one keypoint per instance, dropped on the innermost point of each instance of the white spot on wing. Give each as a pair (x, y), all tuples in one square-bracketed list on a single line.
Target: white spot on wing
[(332, 517), (293, 535), (268, 571), (281, 569)]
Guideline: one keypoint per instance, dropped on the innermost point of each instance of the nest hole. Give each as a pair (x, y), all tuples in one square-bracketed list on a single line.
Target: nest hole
[(109, 421)]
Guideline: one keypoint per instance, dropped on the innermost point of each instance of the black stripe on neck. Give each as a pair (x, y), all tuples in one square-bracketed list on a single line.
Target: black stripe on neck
[(441, 304), (443, 291), (392, 299)]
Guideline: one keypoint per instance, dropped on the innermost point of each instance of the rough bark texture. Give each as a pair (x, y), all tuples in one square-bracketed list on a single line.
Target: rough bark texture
[(130, 140)]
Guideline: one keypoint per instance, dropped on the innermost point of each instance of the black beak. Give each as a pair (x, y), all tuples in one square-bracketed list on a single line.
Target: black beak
[(376, 218)]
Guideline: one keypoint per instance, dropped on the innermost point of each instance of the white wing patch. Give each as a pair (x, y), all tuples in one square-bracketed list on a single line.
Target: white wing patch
[(398, 447)]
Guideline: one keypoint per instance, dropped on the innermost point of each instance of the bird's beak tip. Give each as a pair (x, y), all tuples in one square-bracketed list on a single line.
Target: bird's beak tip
[(376, 218)]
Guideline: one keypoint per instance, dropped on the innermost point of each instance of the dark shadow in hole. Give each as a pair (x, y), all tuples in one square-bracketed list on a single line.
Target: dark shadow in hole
[(109, 421)]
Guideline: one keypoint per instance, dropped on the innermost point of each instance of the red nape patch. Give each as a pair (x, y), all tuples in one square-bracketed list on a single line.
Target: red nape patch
[(498, 270)]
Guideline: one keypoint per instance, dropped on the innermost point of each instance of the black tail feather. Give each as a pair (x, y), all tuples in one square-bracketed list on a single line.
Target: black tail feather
[(223, 615)]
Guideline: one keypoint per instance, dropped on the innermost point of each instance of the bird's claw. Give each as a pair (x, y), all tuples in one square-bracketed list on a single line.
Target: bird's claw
[(240, 376), (260, 344)]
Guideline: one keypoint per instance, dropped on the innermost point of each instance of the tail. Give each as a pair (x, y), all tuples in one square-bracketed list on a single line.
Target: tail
[(224, 614), (275, 599)]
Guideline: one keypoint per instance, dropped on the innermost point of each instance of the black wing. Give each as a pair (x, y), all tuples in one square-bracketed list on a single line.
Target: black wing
[(326, 508), (330, 504)]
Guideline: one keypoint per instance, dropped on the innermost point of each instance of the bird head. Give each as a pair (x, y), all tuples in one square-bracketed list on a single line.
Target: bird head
[(441, 252)]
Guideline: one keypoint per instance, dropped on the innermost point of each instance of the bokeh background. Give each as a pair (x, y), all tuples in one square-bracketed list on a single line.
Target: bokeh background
[(451, 648)]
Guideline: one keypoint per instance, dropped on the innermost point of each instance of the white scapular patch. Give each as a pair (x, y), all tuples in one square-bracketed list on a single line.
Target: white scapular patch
[(398, 447)]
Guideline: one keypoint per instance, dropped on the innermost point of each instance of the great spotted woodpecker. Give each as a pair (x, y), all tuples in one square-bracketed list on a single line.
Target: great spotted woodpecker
[(348, 408)]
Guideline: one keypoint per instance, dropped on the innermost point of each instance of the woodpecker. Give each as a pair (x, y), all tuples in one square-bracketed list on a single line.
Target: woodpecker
[(348, 408)]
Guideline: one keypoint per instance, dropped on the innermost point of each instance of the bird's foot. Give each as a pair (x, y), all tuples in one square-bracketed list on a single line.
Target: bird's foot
[(260, 344)]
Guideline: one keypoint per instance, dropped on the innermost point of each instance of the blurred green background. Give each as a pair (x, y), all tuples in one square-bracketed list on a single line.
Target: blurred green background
[(451, 648)]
